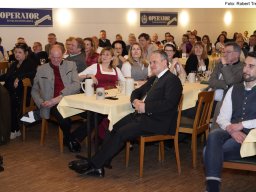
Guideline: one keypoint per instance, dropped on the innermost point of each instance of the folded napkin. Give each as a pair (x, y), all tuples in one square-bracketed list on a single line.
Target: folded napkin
[(248, 147), (31, 116)]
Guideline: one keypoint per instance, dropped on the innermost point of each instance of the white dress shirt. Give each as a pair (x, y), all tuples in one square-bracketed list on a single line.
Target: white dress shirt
[(224, 118)]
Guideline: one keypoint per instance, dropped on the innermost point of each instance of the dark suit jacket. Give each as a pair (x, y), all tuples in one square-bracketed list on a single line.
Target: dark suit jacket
[(160, 104), (104, 44)]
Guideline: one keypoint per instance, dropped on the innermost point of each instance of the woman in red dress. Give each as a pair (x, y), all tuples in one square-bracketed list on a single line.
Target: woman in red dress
[(91, 56), (104, 73)]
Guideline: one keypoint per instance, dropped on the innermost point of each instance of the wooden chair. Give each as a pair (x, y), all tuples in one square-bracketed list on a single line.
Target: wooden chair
[(201, 122), (44, 130), (3, 67), (247, 164), (26, 107), (161, 139)]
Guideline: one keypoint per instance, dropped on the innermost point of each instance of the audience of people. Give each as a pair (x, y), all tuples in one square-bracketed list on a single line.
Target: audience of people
[(157, 64)]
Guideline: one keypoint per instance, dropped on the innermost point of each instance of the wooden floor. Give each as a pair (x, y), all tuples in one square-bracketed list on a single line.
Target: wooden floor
[(30, 167)]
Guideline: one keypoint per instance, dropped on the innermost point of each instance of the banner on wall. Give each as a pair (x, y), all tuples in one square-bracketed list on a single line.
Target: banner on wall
[(158, 19), (25, 17)]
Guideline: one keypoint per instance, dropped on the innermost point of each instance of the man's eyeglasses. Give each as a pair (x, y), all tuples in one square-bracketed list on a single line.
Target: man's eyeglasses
[(168, 50)]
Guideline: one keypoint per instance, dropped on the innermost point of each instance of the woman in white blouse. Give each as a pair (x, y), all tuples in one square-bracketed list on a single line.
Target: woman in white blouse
[(136, 66), (104, 73)]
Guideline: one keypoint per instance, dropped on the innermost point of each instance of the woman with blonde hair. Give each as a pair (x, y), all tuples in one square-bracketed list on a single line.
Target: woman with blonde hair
[(136, 66), (104, 73), (198, 59)]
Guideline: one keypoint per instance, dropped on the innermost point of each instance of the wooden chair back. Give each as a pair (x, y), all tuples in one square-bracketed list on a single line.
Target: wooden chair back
[(160, 139), (204, 110), (201, 122), (3, 67), (26, 107)]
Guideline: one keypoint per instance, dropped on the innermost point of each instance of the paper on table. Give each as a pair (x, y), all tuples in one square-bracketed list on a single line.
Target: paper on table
[(248, 147)]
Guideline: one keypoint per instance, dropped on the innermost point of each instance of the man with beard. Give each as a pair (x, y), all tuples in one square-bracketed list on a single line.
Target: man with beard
[(236, 119)]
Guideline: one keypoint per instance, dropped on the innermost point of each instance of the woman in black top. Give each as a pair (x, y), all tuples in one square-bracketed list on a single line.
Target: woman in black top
[(198, 60), (20, 69)]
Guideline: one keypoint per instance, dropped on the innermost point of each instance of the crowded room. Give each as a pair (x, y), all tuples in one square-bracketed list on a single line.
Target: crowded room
[(124, 99)]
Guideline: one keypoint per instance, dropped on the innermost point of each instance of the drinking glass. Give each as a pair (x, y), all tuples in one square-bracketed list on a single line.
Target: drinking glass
[(118, 86)]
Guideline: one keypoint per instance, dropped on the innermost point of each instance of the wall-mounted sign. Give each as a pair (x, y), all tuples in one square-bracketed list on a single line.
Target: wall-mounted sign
[(158, 19), (25, 17)]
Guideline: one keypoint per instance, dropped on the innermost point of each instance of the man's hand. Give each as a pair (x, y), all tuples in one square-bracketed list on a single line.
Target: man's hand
[(234, 128), (51, 102), (239, 136), (16, 83), (139, 106)]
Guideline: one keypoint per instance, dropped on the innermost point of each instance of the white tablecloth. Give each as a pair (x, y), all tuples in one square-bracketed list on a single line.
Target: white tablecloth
[(115, 109)]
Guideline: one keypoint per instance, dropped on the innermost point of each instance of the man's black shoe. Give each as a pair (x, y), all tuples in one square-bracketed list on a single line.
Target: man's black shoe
[(91, 171), (95, 172), (74, 146), (80, 164), (106, 165)]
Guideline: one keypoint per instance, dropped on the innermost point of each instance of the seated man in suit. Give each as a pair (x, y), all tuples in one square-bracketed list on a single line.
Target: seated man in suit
[(54, 80), (156, 105), (236, 119)]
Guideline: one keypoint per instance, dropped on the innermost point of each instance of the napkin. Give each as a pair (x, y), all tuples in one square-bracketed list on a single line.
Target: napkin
[(248, 147)]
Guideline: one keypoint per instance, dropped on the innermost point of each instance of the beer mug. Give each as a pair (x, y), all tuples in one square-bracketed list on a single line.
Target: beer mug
[(100, 93), (191, 77), (87, 87)]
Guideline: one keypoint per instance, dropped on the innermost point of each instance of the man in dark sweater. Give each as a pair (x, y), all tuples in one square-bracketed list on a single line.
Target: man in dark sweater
[(103, 41), (236, 119)]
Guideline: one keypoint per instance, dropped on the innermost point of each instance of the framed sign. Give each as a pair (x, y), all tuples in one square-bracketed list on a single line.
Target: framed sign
[(25, 17), (158, 19)]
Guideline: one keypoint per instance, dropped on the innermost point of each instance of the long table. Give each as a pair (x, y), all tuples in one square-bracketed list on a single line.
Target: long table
[(115, 109)]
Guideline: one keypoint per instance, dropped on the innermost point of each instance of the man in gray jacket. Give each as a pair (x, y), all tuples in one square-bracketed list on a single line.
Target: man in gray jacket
[(225, 74), (53, 81)]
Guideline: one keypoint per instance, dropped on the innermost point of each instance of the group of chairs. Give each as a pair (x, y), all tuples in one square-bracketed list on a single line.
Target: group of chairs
[(198, 126)]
